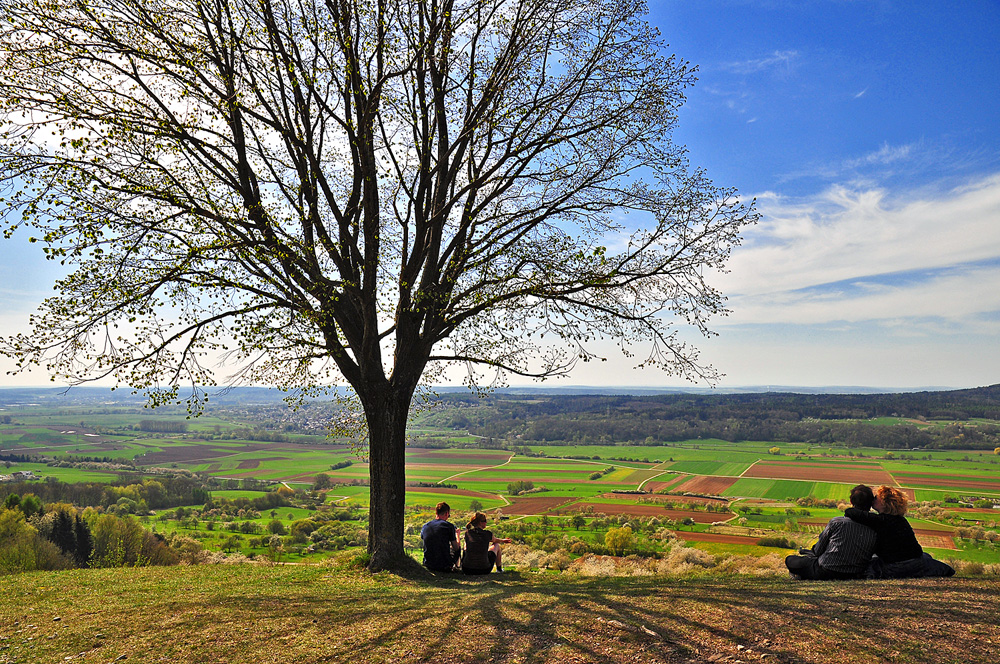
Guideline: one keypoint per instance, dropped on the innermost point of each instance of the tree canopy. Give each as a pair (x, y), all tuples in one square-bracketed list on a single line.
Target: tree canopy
[(369, 189)]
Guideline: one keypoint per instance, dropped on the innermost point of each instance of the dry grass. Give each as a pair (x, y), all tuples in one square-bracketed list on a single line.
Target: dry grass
[(309, 614)]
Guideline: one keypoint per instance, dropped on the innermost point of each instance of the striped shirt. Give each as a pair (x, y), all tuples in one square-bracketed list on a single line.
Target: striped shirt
[(845, 546)]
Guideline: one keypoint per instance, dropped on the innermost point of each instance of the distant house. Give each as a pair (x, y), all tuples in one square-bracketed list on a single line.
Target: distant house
[(23, 475)]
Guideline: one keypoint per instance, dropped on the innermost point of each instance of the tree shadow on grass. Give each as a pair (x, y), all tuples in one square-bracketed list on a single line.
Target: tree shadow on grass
[(348, 616), (657, 619)]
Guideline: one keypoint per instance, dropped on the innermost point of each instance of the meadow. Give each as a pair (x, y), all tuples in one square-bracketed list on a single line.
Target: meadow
[(709, 492)]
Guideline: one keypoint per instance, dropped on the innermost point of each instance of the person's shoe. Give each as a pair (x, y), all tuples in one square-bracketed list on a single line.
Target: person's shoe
[(499, 570)]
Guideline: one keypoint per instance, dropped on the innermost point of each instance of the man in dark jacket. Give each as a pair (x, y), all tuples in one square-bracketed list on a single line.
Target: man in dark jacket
[(844, 548), (440, 537)]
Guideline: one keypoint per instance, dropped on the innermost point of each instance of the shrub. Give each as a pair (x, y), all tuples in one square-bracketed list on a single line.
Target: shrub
[(620, 540), (519, 487), (22, 549), (777, 542), (122, 541), (189, 550)]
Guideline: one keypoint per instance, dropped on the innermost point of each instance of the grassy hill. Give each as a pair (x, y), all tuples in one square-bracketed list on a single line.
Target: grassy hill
[(303, 614)]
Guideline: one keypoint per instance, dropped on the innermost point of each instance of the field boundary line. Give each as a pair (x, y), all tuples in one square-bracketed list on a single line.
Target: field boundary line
[(476, 470), (664, 472), (894, 480), (747, 469)]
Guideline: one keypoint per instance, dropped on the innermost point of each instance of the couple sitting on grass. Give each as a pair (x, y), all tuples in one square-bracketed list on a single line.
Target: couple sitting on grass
[(442, 551), (862, 544)]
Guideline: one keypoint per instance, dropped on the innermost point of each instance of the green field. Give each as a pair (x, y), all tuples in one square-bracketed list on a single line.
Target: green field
[(466, 476)]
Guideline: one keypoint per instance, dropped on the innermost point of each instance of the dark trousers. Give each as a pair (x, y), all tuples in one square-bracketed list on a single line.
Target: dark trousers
[(454, 561), (808, 567)]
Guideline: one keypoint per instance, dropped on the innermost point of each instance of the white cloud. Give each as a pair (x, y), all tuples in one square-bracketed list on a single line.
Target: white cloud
[(861, 94), (848, 237), (962, 296)]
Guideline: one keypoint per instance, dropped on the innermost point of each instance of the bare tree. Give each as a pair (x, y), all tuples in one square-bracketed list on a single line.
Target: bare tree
[(369, 189)]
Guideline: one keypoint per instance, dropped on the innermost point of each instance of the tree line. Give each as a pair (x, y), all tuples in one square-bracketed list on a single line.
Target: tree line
[(655, 420)]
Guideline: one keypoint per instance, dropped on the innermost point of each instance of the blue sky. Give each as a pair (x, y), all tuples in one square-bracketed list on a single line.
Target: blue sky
[(869, 132)]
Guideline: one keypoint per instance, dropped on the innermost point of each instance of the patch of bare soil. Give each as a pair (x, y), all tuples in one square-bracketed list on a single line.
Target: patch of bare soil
[(819, 473), (645, 510), (963, 482), (534, 505), (709, 485)]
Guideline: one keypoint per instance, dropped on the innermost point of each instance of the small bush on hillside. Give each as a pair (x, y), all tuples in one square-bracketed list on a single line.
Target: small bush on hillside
[(777, 542)]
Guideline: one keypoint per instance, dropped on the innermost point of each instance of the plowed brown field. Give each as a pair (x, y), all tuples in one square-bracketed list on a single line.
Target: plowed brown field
[(659, 485), (966, 482), (935, 539), (709, 485), (647, 510), (819, 473), (526, 506)]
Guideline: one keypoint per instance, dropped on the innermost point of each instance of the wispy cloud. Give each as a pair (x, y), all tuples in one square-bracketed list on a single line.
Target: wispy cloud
[(884, 155), (915, 155), (776, 60), (861, 94)]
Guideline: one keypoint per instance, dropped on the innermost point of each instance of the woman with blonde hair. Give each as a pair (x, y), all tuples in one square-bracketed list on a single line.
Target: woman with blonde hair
[(482, 549), (895, 540)]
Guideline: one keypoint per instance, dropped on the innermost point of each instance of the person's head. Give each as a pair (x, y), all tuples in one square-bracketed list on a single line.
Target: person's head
[(862, 497), (443, 510), (478, 520), (890, 500)]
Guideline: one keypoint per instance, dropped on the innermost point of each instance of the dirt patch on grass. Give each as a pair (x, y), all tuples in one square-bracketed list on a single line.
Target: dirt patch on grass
[(709, 485)]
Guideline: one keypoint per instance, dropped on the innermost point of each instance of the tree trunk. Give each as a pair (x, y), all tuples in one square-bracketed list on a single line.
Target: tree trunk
[(386, 412)]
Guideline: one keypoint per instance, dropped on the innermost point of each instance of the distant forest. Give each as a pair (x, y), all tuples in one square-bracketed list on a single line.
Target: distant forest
[(782, 417)]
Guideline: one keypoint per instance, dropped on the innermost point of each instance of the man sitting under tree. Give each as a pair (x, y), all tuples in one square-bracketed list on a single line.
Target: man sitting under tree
[(844, 548), (440, 538)]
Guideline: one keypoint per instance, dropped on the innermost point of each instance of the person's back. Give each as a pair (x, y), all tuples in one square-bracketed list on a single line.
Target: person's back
[(482, 549), (477, 549), (896, 539), (844, 548), (440, 538), (847, 548)]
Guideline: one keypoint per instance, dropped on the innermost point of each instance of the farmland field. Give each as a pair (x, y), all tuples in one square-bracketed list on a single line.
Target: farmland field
[(671, 482)]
